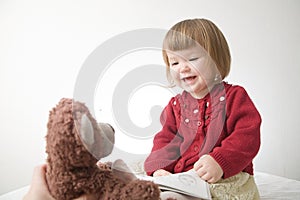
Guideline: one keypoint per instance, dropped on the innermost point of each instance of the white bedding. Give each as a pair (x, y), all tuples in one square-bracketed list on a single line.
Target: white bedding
[(275, 187), (270, 187)]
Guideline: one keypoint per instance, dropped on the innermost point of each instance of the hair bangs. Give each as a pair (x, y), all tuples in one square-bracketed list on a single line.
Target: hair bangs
[(178, 40)]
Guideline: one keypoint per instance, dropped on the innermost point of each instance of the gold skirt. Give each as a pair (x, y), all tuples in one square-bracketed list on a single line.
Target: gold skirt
[(240, 187)]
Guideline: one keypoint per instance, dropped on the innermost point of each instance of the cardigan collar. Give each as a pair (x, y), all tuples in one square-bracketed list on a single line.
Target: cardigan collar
[(216, 94)]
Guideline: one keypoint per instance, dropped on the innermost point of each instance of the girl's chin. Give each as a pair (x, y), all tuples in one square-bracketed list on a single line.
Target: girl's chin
[(191, 87), (190, 90)]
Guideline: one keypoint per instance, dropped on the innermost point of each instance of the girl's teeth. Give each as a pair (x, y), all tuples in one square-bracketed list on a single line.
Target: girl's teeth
[(189, 78)]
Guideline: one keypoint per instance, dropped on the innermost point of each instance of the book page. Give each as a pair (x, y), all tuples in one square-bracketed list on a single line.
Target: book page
[(188, 183)]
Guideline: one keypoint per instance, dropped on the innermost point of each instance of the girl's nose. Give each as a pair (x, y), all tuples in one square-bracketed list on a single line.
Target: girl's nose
[(184, 68)]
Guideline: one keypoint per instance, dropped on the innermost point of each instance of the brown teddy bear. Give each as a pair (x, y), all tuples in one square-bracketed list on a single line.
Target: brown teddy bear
[(74, 143)]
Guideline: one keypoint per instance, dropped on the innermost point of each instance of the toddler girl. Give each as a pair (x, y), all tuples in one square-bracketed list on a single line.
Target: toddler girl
[(212, 127)]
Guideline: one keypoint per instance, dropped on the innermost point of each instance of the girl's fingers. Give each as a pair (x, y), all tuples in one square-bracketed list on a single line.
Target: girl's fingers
[(198, 165)]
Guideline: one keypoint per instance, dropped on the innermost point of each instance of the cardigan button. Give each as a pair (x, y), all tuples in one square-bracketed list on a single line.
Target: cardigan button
[(178, 165), (174, 103), (196, 111), (222, 98), (196, 148), (199, 123), (187, 120)]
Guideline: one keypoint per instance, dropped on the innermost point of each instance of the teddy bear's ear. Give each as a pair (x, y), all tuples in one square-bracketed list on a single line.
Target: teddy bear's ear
[(86, 131), (122, 171)]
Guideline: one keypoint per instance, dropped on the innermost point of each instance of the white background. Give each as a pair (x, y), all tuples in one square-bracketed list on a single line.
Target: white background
[(43, 45)]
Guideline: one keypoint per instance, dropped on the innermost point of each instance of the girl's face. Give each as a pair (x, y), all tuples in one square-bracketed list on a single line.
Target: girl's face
[(193, 70)]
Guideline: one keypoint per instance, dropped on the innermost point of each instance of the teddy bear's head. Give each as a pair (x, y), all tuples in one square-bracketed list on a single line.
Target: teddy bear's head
[(72, 131)]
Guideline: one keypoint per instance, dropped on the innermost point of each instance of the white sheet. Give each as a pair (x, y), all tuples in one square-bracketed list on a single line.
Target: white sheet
[(275, 187), (270, 187), (15, 195)]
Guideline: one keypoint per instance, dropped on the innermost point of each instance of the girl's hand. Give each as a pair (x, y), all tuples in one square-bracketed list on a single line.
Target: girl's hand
[(208, 169), (161, 172)]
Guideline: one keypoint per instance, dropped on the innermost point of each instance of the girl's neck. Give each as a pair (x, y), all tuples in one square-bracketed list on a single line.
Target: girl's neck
[(203, 93), (200, 95)]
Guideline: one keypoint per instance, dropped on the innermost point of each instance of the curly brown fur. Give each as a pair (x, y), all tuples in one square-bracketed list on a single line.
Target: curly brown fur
[(72, 169), (123, 185)]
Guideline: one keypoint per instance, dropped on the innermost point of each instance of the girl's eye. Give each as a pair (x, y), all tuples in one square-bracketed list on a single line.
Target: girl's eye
[(174, 63), (193, 59)]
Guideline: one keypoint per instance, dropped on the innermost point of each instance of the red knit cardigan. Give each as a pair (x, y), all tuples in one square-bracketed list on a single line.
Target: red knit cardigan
[(224, 124)]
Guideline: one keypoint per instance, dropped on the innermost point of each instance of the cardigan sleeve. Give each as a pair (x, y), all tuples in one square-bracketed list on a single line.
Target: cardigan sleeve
[(237, 150), (166, 143)]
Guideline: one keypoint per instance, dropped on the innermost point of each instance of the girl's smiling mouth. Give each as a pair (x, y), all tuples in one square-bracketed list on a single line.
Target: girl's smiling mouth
[(189, 79)]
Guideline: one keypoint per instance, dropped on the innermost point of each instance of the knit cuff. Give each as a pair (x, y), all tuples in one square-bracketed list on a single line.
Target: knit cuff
[(152, 166), (227, 169)]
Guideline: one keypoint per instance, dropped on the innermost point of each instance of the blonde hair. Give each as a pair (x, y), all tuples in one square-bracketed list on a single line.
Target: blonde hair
[(191, 32)]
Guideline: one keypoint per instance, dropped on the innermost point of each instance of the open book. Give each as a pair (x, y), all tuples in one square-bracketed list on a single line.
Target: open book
[(188, 183)]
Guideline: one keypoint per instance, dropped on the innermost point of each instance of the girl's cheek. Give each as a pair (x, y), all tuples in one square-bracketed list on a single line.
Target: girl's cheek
[(174, 73)]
